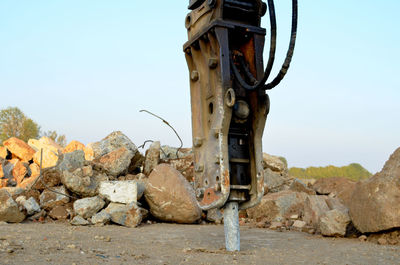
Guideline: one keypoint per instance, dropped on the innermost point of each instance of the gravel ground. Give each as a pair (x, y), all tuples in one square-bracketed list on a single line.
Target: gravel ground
[(60, 243)]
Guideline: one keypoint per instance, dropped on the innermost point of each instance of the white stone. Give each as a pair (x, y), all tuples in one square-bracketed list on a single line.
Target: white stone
[(120, 191), (30, 205)]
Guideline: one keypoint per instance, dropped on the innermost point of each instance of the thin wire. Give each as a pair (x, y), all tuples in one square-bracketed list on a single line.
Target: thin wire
[(167, 123)]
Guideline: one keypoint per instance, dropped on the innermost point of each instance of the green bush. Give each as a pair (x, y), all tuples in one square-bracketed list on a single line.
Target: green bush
[(353, 171)]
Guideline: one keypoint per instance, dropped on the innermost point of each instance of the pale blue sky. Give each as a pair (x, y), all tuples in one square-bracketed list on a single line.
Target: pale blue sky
[(86, 68)]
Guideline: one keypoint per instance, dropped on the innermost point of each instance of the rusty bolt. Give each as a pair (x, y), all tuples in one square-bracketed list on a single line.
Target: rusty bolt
[(197, 142), (213, 63), (194, 76), (199, 168)]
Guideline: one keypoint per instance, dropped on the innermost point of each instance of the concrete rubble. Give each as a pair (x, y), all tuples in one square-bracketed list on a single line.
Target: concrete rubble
[(111, 182)]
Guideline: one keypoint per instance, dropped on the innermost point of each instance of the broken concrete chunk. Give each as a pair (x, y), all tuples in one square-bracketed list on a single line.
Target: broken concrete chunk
[(120, 191)]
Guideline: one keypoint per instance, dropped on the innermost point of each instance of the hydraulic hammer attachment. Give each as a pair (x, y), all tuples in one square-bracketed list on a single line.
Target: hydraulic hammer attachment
[(224, 54)]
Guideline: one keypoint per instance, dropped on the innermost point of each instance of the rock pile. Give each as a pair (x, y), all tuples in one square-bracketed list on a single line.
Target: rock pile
[(332, 206), (110, 181), (98, 184)]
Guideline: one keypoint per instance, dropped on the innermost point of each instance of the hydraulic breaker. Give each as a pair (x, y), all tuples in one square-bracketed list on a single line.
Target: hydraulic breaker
[(229, 103)]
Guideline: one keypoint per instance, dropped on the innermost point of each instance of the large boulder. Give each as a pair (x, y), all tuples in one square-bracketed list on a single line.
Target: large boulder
[(279, 206), (112, 142), (19, 148), (116, 162), (9, 210), (375, 203), (170, 197)]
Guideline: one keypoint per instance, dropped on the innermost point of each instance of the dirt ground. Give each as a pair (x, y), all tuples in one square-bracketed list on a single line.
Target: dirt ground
[(60, 243)]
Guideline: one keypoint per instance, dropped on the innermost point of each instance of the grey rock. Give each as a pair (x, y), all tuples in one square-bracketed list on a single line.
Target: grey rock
[(168, 152), (152, 158), (215, 215), (9, 210), (30, 205), (101, 218), (71, 161), (299, 186), (120, 191), (299, 224), (49, 199), (129, 215), (79, 220), (14, 191), (274, 181), (112, 142), (334, 223), (274, 163), (315, 206), (87, 207), (83, 181)]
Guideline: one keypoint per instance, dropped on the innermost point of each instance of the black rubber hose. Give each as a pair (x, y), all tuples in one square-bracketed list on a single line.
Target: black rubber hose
[(289, 54), (272, 49)]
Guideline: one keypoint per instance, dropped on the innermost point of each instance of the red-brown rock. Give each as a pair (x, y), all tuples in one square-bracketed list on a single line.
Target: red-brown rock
[(3, 152), (73, 146), (19, 148), (278, 206), (19, 171), (375, 203)]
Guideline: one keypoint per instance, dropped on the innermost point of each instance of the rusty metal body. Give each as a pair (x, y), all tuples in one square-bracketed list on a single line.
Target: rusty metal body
[(227, 120)]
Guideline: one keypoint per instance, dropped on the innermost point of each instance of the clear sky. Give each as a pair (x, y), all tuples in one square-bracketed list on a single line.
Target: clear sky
[(86, 68)]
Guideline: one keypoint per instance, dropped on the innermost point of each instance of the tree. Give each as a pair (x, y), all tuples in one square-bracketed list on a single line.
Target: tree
[(14, 123), (60, 139)]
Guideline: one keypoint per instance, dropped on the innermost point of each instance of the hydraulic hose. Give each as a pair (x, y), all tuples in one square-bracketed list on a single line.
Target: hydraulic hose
[(271, 59), (272, 49)]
